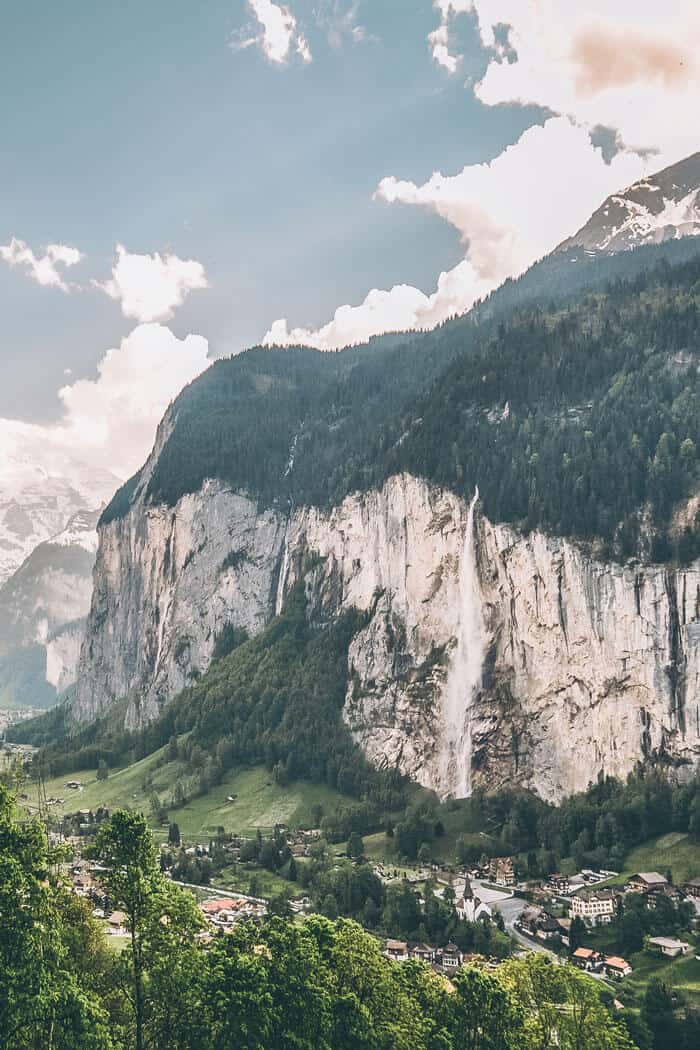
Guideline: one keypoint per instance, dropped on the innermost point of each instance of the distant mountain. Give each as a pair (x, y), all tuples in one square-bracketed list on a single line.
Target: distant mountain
[(659, 208), (42, 612), (40, 495)]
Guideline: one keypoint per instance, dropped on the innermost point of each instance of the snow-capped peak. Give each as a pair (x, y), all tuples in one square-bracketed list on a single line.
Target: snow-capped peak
[(658, 208), (80, 531), (41, 491)]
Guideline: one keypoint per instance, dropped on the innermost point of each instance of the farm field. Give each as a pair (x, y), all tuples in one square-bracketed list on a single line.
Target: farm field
[(124, 788), (258, 803)]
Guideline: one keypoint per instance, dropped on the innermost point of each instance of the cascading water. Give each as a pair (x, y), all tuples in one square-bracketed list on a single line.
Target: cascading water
[(465, 672)]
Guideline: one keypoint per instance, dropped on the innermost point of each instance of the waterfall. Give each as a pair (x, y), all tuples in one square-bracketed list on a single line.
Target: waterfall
[(464, 676), (282, 578)]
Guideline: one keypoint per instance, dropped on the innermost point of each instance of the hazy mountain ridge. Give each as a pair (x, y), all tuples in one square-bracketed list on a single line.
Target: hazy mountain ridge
[(43, 606), (37, 501)]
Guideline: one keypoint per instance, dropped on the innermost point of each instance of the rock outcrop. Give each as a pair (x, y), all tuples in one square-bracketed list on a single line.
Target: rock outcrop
[(486, 657)]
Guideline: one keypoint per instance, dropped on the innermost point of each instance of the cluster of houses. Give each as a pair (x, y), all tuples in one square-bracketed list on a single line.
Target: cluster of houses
[(613, 966), (224, 913), (545, 927), (299, 841), (84, 879), (538, 923), (598, 906), (566, 885), (444, 960), (596, 962)]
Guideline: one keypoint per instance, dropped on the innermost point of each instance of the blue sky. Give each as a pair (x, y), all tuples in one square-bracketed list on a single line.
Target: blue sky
[(391, 142), (137, 123)]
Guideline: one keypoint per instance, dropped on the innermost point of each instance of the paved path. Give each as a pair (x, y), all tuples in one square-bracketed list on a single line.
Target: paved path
[(510, 908), (228, 894)]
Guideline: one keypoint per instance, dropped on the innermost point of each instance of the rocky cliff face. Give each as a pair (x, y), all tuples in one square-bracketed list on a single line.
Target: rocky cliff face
[(166, 581), (486, 657)]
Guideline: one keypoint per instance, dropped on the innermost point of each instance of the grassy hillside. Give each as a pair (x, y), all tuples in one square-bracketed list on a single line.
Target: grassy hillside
[(675, 851), (259, 801), (682, 974), (123, 788)]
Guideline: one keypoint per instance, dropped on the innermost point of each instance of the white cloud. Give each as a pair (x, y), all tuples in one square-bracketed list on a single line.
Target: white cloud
[(439, 39), (630, 68), (42, 268), (380, 312), (631, 65), (509, 213), (279, 34), (110, 422), (115, 416), (150, 287), (339, 21)]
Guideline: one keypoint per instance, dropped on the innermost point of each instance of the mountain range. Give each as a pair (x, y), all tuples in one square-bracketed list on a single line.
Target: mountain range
[(507, 506)]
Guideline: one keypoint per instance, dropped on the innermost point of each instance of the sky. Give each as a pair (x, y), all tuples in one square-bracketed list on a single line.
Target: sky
[(181, 181)]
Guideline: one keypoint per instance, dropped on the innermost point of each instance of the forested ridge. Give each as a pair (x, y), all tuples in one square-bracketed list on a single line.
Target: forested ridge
[(578, 416)]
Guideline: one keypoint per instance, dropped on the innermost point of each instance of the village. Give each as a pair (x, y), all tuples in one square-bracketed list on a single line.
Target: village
[(561, 915), (581, 906)]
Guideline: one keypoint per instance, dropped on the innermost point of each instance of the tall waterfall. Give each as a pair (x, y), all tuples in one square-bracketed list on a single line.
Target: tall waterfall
[(465, 672)]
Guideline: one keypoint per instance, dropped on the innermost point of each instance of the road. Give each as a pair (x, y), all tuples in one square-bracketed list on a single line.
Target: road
[(510, 908), (228, 894)]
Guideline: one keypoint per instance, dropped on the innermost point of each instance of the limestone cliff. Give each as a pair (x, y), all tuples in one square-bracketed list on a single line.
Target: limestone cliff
[(486, 656)]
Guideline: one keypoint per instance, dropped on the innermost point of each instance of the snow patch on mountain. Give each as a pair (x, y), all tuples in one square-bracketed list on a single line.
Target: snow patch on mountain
[(37, 501), (80, 531), (658, 208)]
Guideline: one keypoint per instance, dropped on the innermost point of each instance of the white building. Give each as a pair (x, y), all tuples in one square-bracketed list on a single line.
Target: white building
[(669, 946), (595, 907), (470, 907)]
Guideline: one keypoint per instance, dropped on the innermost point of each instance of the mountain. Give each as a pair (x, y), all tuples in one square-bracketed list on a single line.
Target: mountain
[(43, 606), (500, 519), (41, 488), (658, 208), (545, 634)]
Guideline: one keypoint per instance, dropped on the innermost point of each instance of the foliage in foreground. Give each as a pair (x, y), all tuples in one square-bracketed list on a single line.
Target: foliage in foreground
[(319, 984)]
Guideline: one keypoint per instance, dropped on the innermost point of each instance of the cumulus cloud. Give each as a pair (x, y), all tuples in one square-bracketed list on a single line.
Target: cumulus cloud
[(42, 268), (631, 66), (508, 213), (110, 422), (150, 287), (622, 82), (381, 311), (279, 34)]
